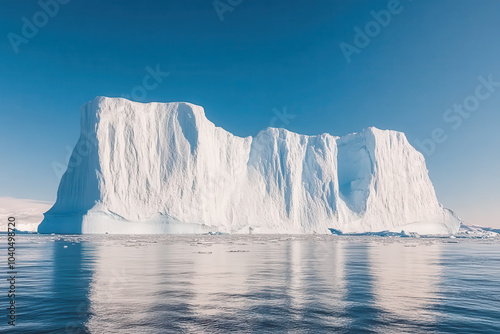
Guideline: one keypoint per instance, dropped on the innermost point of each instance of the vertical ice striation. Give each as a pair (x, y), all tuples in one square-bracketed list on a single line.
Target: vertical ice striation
[(165, 168)]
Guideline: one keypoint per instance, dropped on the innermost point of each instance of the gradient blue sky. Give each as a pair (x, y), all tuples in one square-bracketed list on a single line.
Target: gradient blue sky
[(263, 55)]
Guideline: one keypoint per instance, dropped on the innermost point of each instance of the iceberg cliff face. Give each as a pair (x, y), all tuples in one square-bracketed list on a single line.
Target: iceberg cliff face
[(165, 168)]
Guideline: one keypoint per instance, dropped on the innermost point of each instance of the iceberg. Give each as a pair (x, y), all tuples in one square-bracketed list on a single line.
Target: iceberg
[(165, 168)]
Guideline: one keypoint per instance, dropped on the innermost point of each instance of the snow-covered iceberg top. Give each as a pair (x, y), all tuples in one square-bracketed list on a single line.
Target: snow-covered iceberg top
[(165, 168)]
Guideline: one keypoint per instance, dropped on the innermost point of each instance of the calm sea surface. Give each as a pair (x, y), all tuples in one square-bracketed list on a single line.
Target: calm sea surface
[(253, 284)]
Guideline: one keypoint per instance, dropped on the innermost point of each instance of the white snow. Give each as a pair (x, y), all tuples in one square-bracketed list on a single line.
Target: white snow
[(165, 168), (28, 213)]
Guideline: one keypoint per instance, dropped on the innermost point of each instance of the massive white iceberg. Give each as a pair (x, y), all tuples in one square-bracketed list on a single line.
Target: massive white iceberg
[(165, 168)]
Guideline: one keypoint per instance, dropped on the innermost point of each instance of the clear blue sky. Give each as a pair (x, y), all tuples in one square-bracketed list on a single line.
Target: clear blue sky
[(262, 55)]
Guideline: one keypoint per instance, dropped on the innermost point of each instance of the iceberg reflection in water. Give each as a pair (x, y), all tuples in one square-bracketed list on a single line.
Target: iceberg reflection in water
[(256, 284)]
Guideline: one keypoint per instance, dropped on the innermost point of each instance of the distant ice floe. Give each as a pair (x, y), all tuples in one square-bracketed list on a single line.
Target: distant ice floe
[(465, 231), (28, 213), (473, 231)]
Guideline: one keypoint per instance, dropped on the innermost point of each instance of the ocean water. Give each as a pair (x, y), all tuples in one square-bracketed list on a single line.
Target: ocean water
[(254, 284)]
